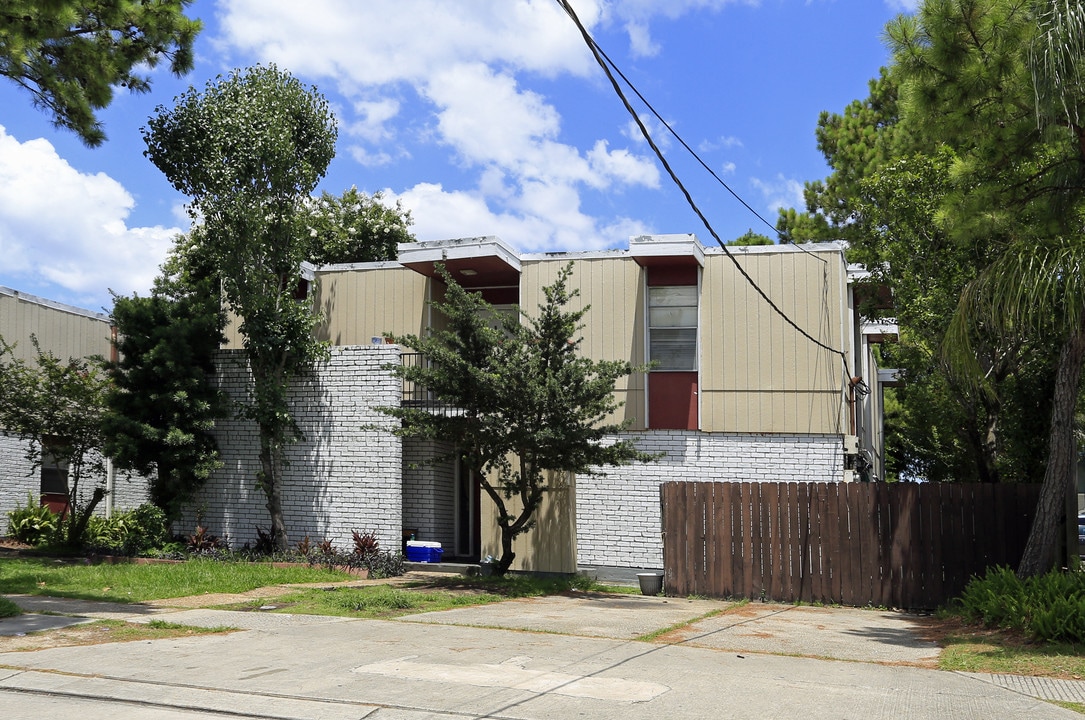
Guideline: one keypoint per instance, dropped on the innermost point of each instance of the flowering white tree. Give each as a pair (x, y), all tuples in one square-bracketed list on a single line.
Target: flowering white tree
[(247, 151), (354, 228)]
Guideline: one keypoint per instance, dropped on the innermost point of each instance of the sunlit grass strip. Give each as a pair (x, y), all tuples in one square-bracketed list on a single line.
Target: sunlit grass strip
[(376, 601), (1002, 654), (136, 583)]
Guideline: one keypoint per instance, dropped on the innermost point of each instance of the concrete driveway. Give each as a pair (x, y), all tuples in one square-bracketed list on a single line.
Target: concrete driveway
[(544, 658)]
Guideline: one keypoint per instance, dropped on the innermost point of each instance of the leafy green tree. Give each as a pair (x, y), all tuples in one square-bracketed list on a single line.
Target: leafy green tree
[(855, 144), (355, 228), (164, 403), (751, 238), (71, 55), (883, 196), (247, 151), (525, 401), (980, 74), (58, 404)]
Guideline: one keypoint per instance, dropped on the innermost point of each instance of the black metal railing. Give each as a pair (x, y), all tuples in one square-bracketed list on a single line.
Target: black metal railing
[(417, 395)]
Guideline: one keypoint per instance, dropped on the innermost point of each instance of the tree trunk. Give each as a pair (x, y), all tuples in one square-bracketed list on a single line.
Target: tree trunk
[(507, 555), (77, 523), (1041, 551), (503, 522), (271, 483)]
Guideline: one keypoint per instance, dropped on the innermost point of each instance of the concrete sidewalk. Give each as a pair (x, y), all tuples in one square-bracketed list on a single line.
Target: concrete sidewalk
[(542, 658)]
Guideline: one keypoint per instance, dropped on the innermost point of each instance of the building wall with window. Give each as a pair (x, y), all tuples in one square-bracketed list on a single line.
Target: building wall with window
[(736, 392), (66, 332)]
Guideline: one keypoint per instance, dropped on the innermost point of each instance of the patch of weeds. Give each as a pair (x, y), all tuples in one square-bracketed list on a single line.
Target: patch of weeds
[(8, 608), (374, 601), (974, 648), (658, 634), (513, 585), (1076, 707)]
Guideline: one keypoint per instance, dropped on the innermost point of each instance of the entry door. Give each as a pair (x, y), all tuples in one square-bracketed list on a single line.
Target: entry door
[(467, 495)]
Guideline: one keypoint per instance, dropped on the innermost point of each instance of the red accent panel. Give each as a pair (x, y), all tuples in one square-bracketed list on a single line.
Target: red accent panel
[(672, 401), (57, 502), (672, 275)]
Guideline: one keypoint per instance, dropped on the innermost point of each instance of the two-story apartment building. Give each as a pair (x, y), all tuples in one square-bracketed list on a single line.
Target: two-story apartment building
[(762, 371)]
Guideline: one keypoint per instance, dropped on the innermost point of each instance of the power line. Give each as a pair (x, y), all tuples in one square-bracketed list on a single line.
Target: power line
[(605, 64)]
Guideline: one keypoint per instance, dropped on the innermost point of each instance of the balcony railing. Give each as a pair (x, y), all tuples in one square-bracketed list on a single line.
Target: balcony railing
[(416, 395)]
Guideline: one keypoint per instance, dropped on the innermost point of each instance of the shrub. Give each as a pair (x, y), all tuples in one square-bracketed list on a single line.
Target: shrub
[(1049, 607), (364, 543), (33, 524), (367, 554), (202, 542), (129, 532), (383, 564), (9, 608), (148, 529)]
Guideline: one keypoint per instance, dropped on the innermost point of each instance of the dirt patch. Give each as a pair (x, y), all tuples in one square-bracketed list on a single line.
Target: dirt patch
[(91, 634), (11, 547)]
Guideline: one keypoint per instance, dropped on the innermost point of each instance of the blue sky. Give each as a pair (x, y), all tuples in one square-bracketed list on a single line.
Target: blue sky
[(483, 117)]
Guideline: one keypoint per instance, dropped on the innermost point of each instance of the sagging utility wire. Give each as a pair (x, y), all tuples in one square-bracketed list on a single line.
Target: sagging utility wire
[(605, 63)]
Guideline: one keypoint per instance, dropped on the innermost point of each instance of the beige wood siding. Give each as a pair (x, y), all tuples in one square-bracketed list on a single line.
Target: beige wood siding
[(64, 332), (363, 303), (359, 305), (550, 546), (614, 324), (758, 374)]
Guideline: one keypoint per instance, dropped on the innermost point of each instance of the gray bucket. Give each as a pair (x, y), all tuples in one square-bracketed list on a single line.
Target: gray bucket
[(651, 583)]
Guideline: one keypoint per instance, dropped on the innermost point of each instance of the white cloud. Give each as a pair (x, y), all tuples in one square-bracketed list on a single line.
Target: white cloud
[(458, 72), (724, 142), (640, 40), (541, 218), (623, 165), (903, 5), (379, 42), (659, 132), (70, 227), (373, 117), (728, 168), (635, 15), (366, 158), (780, 192)]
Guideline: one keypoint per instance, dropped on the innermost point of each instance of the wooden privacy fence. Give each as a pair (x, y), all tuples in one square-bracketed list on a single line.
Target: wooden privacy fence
[(903, 545)]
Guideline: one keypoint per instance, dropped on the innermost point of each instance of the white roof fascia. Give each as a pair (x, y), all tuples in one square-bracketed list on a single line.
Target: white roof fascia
[(887, 326), (686, 245), (54, 305), (459, 249)]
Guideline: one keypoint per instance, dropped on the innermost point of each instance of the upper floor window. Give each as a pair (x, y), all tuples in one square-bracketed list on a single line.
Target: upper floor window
[(672, 327)]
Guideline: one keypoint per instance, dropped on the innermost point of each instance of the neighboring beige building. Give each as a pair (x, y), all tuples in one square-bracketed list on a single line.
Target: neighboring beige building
[(66, 332)]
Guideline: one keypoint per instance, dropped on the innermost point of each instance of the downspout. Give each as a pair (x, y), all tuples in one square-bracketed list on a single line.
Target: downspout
[(110, 477), (110, 471)]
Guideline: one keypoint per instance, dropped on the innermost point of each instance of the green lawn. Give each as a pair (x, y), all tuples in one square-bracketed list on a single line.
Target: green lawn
[(135, 583)]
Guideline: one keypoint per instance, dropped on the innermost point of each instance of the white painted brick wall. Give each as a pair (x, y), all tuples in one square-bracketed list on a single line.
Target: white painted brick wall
[(17, 477), (618, 520), (129, 492), (341, 477)]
